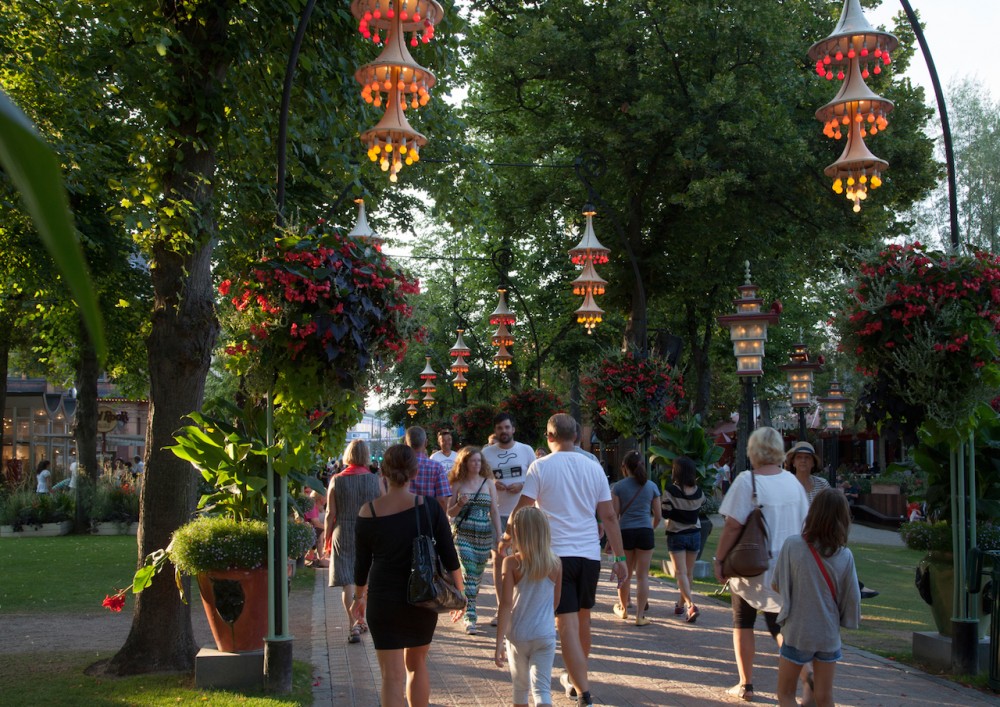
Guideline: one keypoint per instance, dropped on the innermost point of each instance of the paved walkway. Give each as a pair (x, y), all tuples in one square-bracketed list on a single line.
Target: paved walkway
[(667, 663)]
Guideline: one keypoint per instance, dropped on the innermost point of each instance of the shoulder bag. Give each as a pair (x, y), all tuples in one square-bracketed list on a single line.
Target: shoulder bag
[(430, 587), (621, 512), (751, 554), (822, 568)]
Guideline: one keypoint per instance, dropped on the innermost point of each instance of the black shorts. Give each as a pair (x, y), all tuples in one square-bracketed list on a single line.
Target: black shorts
[(579, 584), (638, 539), (745, 616)]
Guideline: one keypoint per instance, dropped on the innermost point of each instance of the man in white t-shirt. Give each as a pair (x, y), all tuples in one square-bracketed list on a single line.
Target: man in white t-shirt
[(445, 456), (573, 492), (509, 461)]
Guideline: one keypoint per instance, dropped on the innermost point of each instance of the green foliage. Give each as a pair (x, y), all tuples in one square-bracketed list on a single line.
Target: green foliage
[(936, 536), (230, 451), (531, 410), (25, 508), (220, 543), (114, 503), (687, 438)]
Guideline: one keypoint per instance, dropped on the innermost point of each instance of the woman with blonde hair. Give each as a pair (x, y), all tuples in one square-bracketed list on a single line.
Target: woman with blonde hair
[(475, 521), (783, 503), (346, 493), (529, 594)]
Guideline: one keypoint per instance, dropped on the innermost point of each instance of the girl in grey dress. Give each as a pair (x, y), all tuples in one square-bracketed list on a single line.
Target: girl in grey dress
[(346, 493)]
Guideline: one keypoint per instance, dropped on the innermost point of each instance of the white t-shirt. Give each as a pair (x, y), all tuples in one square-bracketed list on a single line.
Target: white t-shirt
[(74, 471), (509, 466), (784, 503), (44, 478), (445, 460), (567, 487)]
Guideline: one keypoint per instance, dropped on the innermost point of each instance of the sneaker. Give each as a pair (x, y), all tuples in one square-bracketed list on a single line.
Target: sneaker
[(584, 701), (471, 629), (693, 614), (741, 692), (678, 609), (620, 611), (642, 621), (567, 685), (869, 593)]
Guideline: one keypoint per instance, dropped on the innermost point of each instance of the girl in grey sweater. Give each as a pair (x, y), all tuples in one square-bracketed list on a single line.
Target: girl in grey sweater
[(818, 585)]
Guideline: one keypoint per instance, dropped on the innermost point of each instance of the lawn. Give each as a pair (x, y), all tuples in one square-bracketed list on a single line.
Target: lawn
[(72, 574), (887, 621)]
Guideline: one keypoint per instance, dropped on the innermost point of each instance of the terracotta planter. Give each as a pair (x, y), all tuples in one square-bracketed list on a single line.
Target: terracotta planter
[(235, 602), (46, 530), (942, 575)]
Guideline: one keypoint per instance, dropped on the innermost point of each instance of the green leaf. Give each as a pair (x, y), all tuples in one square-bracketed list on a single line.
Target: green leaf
[(35, 172)]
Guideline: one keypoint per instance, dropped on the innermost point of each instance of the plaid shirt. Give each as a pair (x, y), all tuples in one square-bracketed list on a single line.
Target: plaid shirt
[(431, 479)]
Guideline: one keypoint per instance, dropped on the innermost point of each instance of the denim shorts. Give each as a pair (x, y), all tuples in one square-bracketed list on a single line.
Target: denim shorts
[(684, 542), (794, 655)]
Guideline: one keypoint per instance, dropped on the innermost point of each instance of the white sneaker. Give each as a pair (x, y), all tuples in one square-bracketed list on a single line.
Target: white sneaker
[(471, 629), (567, 685)]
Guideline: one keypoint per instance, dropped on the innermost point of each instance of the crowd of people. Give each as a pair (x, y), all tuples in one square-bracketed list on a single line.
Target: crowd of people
[(542, 518)]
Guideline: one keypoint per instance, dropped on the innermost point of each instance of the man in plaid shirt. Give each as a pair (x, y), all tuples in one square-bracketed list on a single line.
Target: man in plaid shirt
[(431, 479)]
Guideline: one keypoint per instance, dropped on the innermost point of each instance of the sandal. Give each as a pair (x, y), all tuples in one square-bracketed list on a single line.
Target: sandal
[(742, 692), (360, 623), (355, 636)]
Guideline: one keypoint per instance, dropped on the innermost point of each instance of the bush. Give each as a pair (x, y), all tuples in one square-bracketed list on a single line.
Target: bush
[(936, 537), (27, 508), (531, 410), (473, 425), (218, 543), (115, 504)]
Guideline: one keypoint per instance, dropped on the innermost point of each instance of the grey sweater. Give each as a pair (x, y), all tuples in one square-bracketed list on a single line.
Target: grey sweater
[(809, 619)]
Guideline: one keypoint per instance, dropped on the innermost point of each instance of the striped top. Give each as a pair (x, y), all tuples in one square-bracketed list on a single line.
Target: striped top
[(681, 510)]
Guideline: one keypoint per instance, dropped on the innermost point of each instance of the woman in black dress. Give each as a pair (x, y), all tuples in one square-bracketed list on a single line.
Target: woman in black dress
[(386, 528)]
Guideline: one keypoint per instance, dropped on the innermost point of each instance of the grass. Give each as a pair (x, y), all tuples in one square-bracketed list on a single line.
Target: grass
[(72, 574), (59, 680), (887, 621)]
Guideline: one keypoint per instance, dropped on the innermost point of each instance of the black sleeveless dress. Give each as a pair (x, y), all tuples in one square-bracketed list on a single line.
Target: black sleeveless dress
[(384, 555)]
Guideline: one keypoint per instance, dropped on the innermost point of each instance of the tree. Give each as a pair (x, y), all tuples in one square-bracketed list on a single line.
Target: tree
[(705, 117)]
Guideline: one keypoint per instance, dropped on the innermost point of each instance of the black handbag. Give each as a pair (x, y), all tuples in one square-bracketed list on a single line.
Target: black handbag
[(751, 554), (430, 587)]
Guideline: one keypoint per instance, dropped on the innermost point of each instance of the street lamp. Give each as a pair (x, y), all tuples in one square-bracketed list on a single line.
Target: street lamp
[(459, 367), (748, 332), (589, 252), (411, 403), (800, 371), (834, 407), (502, 318), (428, 375)]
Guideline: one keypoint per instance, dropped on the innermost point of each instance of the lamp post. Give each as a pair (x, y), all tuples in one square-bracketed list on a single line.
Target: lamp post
[(748, 332), (800, 371), (834, 407)]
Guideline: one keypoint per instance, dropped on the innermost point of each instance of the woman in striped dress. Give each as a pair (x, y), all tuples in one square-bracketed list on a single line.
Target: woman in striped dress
[(475, 521), (346, 493)]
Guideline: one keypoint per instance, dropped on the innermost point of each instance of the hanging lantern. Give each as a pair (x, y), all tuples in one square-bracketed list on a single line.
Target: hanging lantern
[(459, 349), (394, 78), (361, 228), (589, 249), (589, 282), (459, 365), (848, 53), (428, 373), (413, 399), (502, 336), (834, 407), (748, 329), (459, 381), (411, 410), (800, 371), (429, 400), (502, 314), (589, 314), (502, 358)]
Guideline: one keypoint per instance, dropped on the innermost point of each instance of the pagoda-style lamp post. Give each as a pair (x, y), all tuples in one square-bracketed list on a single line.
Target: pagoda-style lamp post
[(834, 407), (428, 375), (411, 402), (502, 318), (748, 332), (800, 371), (459, 367)]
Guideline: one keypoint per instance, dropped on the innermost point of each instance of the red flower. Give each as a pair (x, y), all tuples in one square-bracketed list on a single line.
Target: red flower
[(115, 602), (224, 287)]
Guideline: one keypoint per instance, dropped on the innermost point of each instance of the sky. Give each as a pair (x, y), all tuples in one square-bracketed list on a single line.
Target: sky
[(962, 36)]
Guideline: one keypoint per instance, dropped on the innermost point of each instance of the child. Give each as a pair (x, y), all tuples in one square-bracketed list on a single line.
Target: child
[(529, 595), (819, 591)]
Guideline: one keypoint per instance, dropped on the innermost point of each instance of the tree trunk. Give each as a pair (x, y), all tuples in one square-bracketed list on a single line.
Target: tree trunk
[(4, 362), (85, 428), (700, 358), (182, 337)]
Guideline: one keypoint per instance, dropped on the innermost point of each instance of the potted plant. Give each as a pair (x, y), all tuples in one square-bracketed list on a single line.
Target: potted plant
[(25, 513), (687, 438), (935, 573), (115, 509)]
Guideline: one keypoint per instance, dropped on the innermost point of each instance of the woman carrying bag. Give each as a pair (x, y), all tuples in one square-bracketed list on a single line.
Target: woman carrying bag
[(783, 503)]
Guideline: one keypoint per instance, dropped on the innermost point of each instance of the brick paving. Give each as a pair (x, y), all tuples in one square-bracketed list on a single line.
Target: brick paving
[(666, 663)]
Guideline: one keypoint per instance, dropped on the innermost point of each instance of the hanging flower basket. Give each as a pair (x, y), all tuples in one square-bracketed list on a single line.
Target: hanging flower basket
[(922, 326), (632, 394)]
